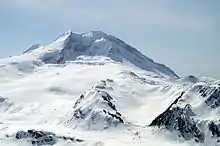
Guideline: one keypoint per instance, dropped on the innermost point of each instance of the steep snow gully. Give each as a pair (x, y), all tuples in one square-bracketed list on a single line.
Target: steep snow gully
[(93, 89)]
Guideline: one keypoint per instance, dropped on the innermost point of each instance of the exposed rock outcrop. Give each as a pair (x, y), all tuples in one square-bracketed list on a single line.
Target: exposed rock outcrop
[(179, 119), (211, 94), (40, 138), (95, 109)]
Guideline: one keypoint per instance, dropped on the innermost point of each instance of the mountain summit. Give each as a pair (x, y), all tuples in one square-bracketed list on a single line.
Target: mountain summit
[(71, 45)]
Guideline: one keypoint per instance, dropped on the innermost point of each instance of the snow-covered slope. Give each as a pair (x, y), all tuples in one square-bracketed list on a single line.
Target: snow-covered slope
[(93, 89)]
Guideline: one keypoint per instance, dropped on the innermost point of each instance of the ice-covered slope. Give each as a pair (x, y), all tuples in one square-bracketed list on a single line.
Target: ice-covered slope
[(96, 43)]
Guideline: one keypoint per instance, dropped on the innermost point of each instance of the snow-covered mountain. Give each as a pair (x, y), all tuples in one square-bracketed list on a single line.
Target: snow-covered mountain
[(71, 45), (94, 89)]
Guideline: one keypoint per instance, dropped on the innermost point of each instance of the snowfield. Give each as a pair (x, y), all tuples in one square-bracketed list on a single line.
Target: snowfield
[(92, 89)]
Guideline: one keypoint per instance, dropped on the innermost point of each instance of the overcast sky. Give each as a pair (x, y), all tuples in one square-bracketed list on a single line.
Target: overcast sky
[(183, 34)]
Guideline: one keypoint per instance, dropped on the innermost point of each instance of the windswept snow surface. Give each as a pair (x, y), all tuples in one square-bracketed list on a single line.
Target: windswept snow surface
[(91, 87)]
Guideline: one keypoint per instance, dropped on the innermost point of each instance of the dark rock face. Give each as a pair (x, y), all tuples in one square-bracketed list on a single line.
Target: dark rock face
[(211, 95), (95, 109), (112, 115), (158, 121), (40, 138), (37, 137), (189, 130), (116, 116), (180, 119), (214, 128)]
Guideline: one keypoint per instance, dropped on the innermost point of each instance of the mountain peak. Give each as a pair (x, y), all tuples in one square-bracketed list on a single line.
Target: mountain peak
[(90, 34), (69, 46)]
